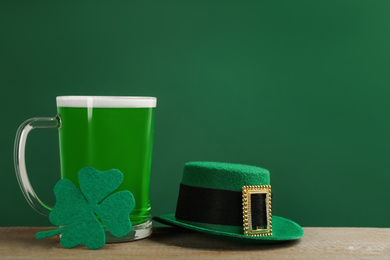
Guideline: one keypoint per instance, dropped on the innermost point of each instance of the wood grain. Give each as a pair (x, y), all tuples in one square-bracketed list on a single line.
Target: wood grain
[(173, 243)]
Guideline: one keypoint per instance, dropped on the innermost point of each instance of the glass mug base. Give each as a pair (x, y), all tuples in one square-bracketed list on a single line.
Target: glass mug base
[(139, 231)]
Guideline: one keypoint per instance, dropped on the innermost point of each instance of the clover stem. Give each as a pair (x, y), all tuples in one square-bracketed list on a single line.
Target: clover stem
[(49, 233)]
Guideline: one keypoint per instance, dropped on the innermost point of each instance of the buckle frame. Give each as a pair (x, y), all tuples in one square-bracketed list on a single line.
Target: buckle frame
[(249, 230)]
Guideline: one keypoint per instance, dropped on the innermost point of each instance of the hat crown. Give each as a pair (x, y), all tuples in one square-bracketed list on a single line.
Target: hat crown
[(223, 176)]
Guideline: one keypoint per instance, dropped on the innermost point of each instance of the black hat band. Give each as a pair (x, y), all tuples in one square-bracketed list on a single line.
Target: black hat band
[(222, 207)]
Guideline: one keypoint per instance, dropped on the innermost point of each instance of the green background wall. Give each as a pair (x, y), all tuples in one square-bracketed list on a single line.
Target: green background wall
[(298, 87)]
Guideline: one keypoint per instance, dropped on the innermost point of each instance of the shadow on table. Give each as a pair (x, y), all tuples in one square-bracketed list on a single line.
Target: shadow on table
[(173, 236)]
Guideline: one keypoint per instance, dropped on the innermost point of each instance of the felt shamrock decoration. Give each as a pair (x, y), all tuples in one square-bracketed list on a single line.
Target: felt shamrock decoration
[(76, 211)]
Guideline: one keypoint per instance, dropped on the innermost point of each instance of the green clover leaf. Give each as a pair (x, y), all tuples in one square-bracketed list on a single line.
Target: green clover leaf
[(75, 211)]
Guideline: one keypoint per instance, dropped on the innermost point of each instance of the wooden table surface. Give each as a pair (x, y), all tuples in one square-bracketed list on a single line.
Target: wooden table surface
[(174, 243)]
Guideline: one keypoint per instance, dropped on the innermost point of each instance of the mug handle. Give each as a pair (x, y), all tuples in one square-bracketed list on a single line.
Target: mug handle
[(20, 162)]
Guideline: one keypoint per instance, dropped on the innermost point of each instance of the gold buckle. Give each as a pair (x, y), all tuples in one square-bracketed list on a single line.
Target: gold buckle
[(247, 191)]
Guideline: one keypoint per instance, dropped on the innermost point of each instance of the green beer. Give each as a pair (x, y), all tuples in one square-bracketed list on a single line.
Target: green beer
[(103, 132), (119, 138)]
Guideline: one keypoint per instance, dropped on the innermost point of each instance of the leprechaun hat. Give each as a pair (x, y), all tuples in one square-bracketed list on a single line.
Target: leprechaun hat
[(230, 201)]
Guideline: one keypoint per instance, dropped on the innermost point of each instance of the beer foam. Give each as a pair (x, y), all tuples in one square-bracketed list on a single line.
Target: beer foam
[(105, 101)]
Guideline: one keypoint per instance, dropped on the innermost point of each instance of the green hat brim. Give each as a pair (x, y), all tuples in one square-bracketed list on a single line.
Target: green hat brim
[(282, 230)]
